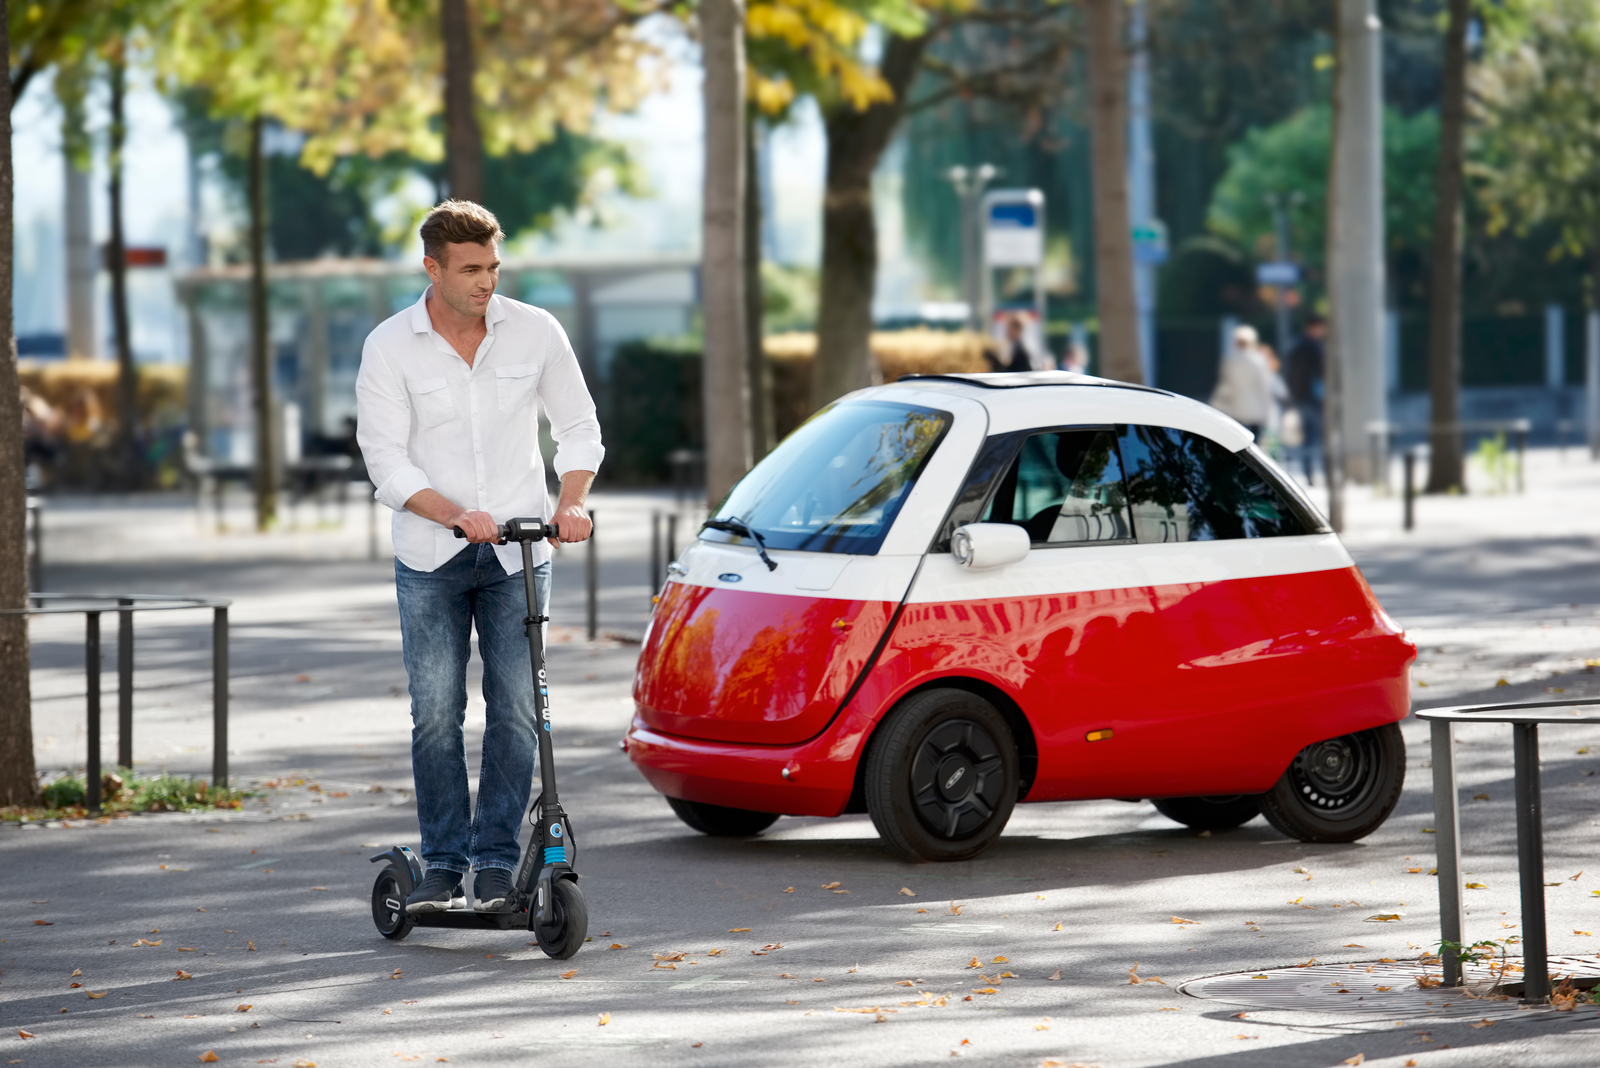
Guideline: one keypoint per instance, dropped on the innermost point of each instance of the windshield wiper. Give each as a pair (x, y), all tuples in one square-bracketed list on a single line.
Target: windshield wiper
[(743, 529)]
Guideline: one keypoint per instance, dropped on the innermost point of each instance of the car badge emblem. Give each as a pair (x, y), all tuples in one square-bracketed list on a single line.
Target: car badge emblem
[(954, 778), (729, 576)]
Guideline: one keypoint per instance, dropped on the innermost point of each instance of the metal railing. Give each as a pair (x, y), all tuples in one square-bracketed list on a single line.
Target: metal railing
[(1381, 436), (1524, 720), (92, 606)]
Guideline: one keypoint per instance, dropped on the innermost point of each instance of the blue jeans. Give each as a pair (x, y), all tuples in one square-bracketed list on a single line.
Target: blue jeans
[(438, 610)]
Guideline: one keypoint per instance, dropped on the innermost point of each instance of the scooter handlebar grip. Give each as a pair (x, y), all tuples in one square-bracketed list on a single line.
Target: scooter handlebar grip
[(504, 530)]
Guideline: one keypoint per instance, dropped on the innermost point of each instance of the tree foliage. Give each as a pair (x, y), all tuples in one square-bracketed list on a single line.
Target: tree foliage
[(1292, 157), (1537, 158)]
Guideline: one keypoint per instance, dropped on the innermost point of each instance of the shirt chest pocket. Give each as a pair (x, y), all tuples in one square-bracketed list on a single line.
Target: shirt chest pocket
[(430, 398), (514, 385)]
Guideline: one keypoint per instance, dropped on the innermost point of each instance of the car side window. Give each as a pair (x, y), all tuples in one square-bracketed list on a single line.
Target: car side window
[(1065, 488), (1185, 487)]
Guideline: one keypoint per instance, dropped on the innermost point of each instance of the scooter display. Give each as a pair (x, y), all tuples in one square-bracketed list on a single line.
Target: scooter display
[(549, 904)]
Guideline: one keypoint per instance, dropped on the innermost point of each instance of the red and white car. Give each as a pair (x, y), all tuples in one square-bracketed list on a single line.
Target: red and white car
[(940, 597)]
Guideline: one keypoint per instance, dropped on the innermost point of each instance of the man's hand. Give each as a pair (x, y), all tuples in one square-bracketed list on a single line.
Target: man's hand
[(570, 519), (479, 527), (573, 523)]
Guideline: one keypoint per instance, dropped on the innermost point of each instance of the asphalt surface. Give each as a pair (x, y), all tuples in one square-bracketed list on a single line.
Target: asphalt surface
[(269, 908)]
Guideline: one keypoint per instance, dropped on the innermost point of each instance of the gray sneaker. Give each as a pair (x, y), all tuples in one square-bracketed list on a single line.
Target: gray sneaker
[(440, 890), (491, 889)]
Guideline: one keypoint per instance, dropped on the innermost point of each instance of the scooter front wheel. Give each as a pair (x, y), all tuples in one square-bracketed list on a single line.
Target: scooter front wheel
[(569, 922), (389, 906)]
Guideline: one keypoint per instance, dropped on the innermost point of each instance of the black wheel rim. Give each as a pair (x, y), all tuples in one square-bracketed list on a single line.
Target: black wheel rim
[(957, 775), (388, 904), (1334, 778)]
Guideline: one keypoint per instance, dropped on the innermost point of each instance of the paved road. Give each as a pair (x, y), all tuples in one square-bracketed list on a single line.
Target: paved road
[(1086, 889)]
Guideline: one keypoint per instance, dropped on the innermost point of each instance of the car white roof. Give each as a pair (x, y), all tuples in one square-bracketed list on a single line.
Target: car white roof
[(1029, 399)]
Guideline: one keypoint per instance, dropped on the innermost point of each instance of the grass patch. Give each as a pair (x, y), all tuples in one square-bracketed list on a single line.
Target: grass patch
[(123, 793)]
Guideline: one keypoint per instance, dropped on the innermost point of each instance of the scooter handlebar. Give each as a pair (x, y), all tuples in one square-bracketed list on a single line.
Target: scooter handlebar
[(522, 530)]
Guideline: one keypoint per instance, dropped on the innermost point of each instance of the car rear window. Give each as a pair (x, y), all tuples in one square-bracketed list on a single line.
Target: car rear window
[(836, 484), (1185, 487)]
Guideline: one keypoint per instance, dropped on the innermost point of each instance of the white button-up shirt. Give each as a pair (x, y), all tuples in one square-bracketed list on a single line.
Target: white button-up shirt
[(425, 420)]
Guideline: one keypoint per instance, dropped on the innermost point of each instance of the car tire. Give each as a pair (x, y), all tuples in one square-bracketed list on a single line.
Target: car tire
[(941, 777), (1339, 790), (1219, 813), (719, 821)]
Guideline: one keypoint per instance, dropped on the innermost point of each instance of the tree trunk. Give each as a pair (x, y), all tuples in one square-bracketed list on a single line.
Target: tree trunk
[(127, 459), (260, 341), (1444, 304), (856, 141), (19, 783), (1113, 237), (762, 431), (463, 141), (725, 377)]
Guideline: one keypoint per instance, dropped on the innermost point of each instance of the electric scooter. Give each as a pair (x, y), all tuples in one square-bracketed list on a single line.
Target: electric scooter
[(549, 904)]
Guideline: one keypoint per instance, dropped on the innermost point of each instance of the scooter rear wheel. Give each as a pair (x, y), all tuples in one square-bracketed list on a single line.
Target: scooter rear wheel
[(389, 906), (569, 922)]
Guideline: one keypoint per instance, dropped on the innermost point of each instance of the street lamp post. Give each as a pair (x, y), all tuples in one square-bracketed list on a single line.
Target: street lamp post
[(1280, 205), (969, 185)]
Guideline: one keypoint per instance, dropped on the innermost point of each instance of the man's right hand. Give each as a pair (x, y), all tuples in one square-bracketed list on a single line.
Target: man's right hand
[(479, 527)]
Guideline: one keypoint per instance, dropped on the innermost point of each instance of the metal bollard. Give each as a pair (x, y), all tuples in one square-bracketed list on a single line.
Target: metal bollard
[(655, 554), (36, 558), (125, 684), (672, 538), (591, 562), (91, 678), (1411, 487), (1522, 460), (219, 697)]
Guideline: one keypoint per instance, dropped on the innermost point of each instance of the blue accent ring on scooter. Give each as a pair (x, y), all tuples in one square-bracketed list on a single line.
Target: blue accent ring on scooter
[(555, 854)]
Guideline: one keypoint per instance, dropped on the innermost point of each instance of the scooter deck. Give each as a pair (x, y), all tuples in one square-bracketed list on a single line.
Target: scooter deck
[(504, 921)]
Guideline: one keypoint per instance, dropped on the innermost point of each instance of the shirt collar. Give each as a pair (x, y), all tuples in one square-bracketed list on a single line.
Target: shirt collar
[(422, 324)]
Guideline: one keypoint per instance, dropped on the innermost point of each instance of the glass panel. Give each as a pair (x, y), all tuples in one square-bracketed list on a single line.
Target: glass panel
[(1184, 487), (836, 484), (1065, 489)]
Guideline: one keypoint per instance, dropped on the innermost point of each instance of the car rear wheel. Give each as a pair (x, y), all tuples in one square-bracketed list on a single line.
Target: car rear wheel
[(1217, 813), (1339, 790), (721, 822), (941, 776)]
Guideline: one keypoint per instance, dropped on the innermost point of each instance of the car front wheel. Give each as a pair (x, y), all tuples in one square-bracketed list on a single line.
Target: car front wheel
[(941, 776), (720, 821), (1210, 813), (1339, 790)]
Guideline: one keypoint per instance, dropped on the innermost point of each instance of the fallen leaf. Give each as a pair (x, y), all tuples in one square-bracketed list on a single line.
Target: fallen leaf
[(819, 979), (922, 910), (1058, 927), (1353, 945), (976, 963), (709, 952), (1302, 871), (250, 945), (1476, 886), (1586, 934), (605, 1018), (303, 1063), (244, 1008), (789, 890), (182, 975), (620, 945), (1563, 1002), (1385, 917), (1481, 1024), (1169, 1008), (785, 975), (186, 949), (831, 886), (674, 967), (1246, 1036), (868, 1010), (1001, 960), (24, 1034), (209, 1057), (98, 996), (1359, 1058), (841, 891), (44, 923), (1241, 1015), (1428, 982), (1412, 1063), (1384, 988), (955, 910), (906, 891), (770, 946), (738, 930), (75, 973), (1180, 919), (905, 982), (569, 975), (1041, 1027), (852, 971), (74, 986), (985, 990), (1057, 975), (670, 956), (319, 888)]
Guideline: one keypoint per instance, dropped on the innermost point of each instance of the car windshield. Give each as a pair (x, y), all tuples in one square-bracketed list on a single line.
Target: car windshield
[(836, 483)]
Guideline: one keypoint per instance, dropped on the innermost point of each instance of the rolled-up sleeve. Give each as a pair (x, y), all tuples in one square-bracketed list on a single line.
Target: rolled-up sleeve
[(569, 407), (383, 423)]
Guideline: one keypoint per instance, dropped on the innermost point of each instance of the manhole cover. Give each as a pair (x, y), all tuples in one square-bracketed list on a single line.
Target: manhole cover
[(1384, 987)]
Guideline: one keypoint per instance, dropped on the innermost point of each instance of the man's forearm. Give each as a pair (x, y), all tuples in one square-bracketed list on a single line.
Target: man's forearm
[(575, 488), (431, 504)]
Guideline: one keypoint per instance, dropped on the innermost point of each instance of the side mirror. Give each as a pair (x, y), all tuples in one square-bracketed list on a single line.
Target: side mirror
[(984, 545)]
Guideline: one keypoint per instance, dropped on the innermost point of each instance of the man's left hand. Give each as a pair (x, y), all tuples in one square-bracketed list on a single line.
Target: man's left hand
[(573, 524)]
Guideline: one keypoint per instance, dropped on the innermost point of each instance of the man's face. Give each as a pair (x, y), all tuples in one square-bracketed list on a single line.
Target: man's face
[(467, 278), (1014, 329), (1317, 331)]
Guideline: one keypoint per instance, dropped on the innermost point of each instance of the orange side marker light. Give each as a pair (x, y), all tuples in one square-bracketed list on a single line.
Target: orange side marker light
[(1101, 735)]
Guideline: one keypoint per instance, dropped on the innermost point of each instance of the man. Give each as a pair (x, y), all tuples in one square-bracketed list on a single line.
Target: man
[(447, 406), (1304, 370), (1017, 356)]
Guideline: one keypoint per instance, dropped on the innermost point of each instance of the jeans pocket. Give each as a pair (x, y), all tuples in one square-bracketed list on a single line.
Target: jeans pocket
[(514, 385), (430, 397)]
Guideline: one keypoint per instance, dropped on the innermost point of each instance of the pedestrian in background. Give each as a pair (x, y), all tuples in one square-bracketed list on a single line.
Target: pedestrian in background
[(1014, 354), (1076, 358), (1304, 371), (1244, 383)]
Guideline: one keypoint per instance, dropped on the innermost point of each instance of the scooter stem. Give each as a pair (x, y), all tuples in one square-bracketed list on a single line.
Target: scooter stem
[(541, 682)]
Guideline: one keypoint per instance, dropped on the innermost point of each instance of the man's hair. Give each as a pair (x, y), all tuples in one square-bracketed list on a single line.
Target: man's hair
[(457, 222)]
